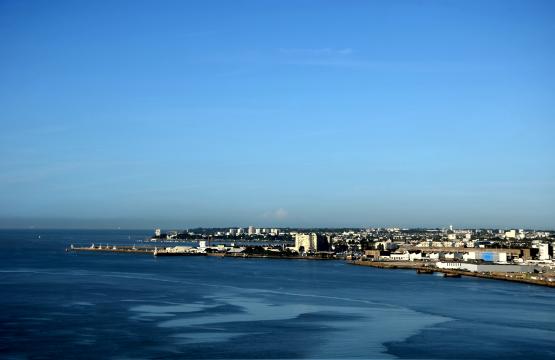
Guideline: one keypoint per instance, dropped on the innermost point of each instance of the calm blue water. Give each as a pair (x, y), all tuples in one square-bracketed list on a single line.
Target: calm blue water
[(56, 304)]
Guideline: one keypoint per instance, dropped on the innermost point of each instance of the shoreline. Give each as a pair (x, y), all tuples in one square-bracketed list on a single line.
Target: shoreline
[(387, 265), (404, 265), (150, 251)]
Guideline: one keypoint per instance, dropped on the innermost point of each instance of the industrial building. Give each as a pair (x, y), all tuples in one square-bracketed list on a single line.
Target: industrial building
[(478, 267)]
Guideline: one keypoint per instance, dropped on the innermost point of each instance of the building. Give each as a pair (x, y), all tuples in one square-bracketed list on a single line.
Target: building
[(485, 267), (449, 265), (232, 231), (157, 232), (511, 234), (310, 243), (240, 231), (399, 256), (544, 251), (490, 256), (251, 230), (375, 254)]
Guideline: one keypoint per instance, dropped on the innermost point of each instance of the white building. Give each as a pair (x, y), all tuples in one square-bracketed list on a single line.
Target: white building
[(399, 256), (179, 249), (232, 231), (157, 232), (415, 256), (511, 234), (252, 230), (544, 251), (485, 267), (449, 265)]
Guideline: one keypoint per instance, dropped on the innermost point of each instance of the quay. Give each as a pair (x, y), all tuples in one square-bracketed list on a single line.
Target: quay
[(259, 256), (420, 267), (161, 251), (427, 267), (113, 248), (149, 250)]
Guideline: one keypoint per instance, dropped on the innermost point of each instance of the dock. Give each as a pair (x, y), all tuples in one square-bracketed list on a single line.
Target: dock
[(452, 273), (149, 250)]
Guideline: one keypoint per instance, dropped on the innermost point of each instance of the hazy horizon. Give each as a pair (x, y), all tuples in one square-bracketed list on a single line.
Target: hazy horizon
[(135, 224), (279, 113)]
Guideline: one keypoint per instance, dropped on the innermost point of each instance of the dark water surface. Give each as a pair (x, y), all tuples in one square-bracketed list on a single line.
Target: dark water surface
[(92, 305)]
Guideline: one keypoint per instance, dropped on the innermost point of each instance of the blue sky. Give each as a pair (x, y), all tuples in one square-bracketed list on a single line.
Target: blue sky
[(277, 113)]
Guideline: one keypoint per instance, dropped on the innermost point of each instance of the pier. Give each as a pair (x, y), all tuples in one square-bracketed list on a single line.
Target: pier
[(149, 250)]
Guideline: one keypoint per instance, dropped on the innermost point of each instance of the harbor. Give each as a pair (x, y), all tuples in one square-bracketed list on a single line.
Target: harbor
[(217, 251), (133, 249), (420, 267), (430, 268)]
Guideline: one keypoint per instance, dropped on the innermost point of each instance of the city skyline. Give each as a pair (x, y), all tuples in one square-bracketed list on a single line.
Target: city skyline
[(282, 114)]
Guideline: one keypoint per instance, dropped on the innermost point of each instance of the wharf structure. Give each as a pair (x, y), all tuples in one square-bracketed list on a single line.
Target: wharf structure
[(150, 250), (485, 271), (523, 254)]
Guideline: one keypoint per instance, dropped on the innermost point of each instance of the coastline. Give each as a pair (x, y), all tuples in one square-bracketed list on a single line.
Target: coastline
[(388, 265), (150, 251), (406, 265)]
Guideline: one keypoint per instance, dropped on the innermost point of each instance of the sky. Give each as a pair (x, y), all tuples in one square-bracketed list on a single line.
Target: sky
[(178, 114)]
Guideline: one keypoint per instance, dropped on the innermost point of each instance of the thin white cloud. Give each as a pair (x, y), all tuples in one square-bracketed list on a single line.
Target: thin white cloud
[(278, 214), (316, 51)]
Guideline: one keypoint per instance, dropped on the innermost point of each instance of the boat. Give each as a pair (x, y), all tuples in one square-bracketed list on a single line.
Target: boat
[(424, 271), (450, 275)]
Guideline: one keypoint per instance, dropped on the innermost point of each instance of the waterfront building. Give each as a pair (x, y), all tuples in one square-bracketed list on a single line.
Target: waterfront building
[(490, 256), (474, 267), (312, 242), (157, 232), (415, 256), (399, 256), (251, 230), (544, 251)]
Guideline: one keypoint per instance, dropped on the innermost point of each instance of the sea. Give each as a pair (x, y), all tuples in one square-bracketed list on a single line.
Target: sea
[(57, 305)]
